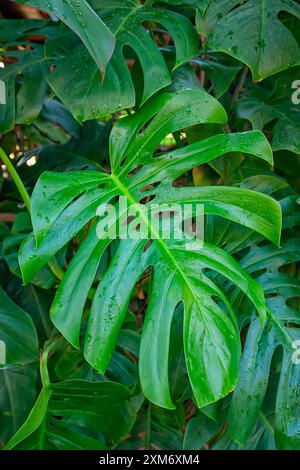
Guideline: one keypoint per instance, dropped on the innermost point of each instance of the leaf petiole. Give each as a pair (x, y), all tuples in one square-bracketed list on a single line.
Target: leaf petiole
[(16, 179)]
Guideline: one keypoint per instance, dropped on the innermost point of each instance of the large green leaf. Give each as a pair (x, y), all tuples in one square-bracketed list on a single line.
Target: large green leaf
[(88, 98), (266, 394), (72, 200), (83, 20), (267, 366), (251, 32)]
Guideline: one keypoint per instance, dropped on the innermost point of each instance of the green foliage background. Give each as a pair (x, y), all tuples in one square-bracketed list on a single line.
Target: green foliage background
[(126, 344)]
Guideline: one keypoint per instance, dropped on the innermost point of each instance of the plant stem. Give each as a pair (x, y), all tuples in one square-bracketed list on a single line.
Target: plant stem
[(49, 347), (16, 179), (53, 264)]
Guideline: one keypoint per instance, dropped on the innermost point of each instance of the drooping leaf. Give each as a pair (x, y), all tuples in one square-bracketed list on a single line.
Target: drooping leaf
[(88, 98), (83, 20)]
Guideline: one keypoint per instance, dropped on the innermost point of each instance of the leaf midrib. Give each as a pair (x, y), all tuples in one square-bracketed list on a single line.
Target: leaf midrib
[(124, 20), (160, 241)]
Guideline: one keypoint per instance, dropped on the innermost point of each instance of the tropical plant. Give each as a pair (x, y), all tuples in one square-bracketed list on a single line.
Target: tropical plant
[(147, 341)]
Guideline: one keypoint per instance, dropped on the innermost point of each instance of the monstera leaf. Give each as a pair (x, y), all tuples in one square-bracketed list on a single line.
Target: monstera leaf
[(266, 392), (269, 363), (271, 104), (81, 18), (280, 330), (252, 32), (62, 204), (75, 415), (88, 98)]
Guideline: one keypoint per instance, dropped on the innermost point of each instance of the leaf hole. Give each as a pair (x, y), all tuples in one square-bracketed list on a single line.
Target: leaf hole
[(147, 199), (134, 171), (123, 161), (150, 186), (145, 125), (103, 185), (147, 245)]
